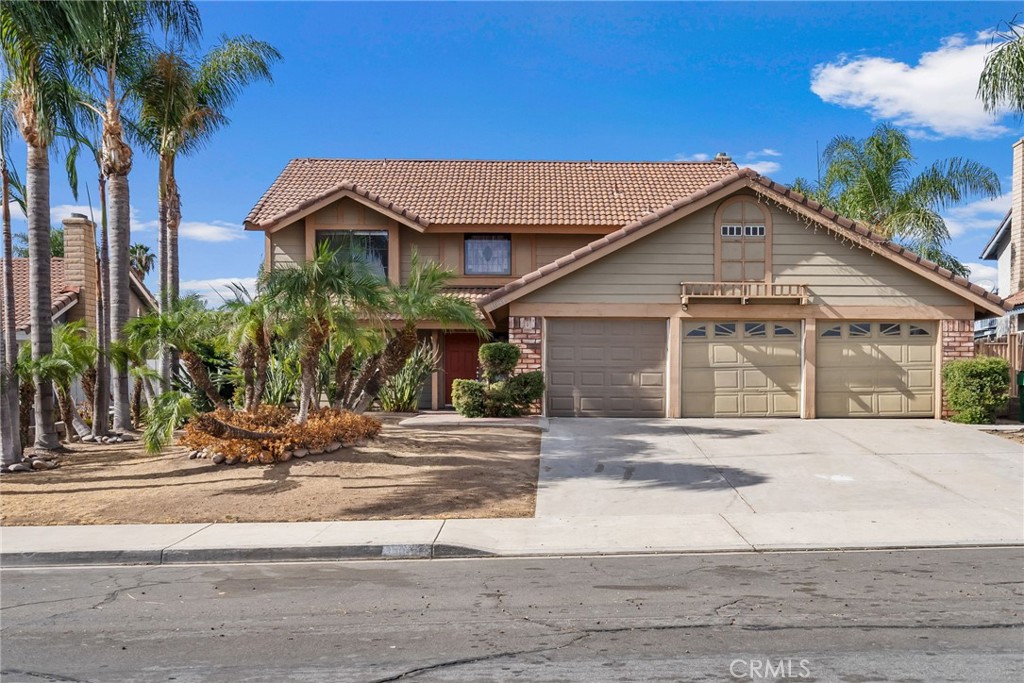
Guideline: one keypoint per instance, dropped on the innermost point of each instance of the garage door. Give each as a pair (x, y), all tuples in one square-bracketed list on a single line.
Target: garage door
[(606, 367), (741, 369), (876, 369)]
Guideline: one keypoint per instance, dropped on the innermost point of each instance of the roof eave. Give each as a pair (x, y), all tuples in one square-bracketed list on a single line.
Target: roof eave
[(997, 242)]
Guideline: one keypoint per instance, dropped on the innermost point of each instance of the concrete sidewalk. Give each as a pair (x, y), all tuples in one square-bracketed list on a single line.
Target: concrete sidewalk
[(304, 541), (648, 486)]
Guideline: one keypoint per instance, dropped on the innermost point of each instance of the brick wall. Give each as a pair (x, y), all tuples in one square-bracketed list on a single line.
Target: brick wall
[(526, 333), (957, 343)]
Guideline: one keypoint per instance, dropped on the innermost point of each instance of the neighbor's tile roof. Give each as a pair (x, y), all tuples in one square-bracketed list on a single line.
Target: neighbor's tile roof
[(60, 294), (756, 182), (600, 193)]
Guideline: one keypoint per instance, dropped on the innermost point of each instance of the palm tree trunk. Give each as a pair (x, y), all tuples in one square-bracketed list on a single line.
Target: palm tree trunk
[(120, 236), (247, 364), (262, 364), (208, 424), (136, 403), (309, 363), (88, 387), (343, 376), (101, 391), (163, 250), (26, 397), (12, 443), (197, 371), (38, 214)]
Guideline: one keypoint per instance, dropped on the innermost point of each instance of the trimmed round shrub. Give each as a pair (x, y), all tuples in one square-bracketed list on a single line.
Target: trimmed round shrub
[(498, 360), (976, 388), (468, 397)]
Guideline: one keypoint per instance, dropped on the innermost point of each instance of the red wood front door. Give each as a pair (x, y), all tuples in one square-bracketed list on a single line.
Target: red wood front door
[(460, 359)]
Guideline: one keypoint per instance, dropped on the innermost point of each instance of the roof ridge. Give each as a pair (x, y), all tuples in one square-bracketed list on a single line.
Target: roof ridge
[(706, 162)]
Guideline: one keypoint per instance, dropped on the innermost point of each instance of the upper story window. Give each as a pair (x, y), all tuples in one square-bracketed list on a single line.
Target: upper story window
[(368, 246), (488, 255), (742, 250)]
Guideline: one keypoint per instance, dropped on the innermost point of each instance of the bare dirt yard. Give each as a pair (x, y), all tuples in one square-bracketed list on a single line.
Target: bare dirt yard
[(403, 474), (1017, 436)]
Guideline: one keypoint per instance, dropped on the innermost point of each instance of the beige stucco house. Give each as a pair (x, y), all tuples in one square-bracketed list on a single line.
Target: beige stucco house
[(654, 289)]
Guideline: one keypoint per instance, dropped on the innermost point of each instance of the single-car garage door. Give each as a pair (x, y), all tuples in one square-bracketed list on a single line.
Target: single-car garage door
[(741, 369), (876, 369), (606, 367)]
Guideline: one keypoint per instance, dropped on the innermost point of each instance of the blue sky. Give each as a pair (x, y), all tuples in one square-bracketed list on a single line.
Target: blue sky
[(765, 82)]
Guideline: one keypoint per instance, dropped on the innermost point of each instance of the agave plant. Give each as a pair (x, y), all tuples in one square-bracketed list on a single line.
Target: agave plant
[(401, 393)]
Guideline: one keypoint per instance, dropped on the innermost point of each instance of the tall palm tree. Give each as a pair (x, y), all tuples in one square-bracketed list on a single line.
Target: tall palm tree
[(86, 137), (314, 298), (1002, 79), (873, 180), (183, 327), (10, 436), (38, 86), (109, 41), (141, 260), (182, 105)]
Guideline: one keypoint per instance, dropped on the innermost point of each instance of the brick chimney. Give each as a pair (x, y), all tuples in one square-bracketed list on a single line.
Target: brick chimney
[(80, 267), (1017, 220)]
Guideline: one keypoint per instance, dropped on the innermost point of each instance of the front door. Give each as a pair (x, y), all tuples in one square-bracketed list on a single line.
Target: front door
[(460, 359)]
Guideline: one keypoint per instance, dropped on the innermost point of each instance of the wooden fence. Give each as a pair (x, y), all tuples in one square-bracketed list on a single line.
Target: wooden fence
[(1012, 349)]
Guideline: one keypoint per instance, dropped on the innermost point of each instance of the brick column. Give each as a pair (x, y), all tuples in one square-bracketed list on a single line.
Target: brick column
[(957, 343), (526, 333)]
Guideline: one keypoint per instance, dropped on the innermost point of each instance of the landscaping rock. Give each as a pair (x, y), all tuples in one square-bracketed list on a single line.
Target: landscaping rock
[(40, 464), (233, 460), (20, 467), (88, 438), (316, 451), (219, 458), (301, 452), (285, 456), (266, 457), (333, 446), (347, 444)]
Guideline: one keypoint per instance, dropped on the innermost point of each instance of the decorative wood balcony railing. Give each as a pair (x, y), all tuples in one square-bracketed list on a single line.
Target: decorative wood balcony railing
[(743, 292)]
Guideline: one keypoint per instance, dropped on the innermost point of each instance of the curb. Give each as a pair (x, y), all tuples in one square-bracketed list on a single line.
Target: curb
[(171, 556)]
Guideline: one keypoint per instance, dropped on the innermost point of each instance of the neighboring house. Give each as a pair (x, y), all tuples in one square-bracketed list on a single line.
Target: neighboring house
[(1007, 248), (73, 282), (659, 289)]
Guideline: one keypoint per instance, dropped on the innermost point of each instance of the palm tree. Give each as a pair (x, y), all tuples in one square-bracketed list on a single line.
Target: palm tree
[(314, 299), (10, 433), (108, 40), (183, 105), (421, 298), (872, 180), (78, 140), (250, 320), (1002, 80), (183, 327), (142, 260), (38, 87), (73, 353)]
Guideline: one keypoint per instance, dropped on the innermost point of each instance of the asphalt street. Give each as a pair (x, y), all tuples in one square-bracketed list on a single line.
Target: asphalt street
[(928, 615)]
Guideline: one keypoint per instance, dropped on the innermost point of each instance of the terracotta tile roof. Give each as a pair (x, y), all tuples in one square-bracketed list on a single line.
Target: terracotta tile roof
[(749, 178), (1015, 300), (600, 193), (61, 295)]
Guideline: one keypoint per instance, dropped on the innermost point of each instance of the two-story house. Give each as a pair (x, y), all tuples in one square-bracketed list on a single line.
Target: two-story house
[(648, 289), (1006, 248)]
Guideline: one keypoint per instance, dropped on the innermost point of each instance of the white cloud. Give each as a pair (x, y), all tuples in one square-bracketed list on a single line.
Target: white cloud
[(766, 152), (217, 290), (983, 214), (984, 275), (700, 156), (214, 231), (933, 98), (61, 211), (764, 167)]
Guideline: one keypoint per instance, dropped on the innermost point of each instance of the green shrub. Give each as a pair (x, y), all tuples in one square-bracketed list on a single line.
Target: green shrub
[(401, 393), (976, 388), (468, 397), (498, 360)]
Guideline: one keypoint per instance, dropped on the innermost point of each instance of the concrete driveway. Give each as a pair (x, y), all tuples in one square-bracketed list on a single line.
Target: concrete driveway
[(791, 483)]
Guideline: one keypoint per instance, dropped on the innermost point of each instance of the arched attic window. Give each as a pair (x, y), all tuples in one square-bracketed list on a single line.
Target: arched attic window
[(743, 232)]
